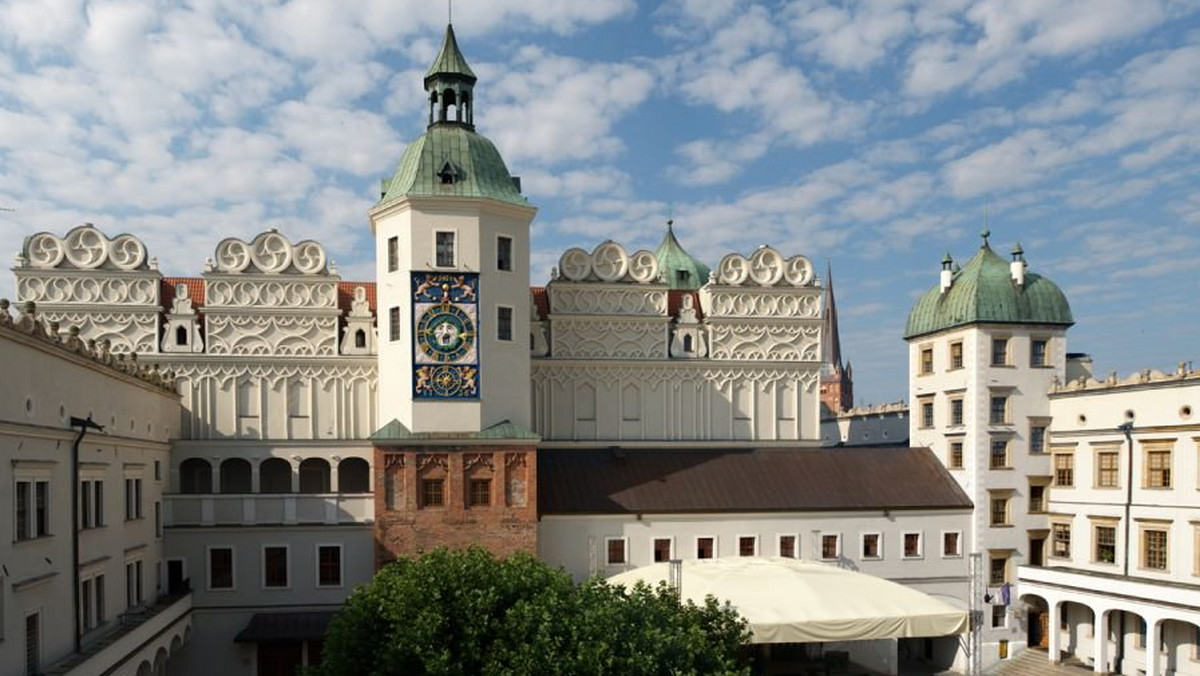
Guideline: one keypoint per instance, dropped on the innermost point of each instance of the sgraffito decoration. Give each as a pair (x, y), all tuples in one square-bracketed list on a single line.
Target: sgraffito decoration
[(445, 335)]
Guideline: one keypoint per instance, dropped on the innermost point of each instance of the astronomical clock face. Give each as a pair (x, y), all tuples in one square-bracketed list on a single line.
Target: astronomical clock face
[(445, 349)]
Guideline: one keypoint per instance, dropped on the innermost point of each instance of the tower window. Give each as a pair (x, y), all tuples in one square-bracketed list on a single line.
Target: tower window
[(504, 323), (181, 335), (504, 250), (394, 324), (444, 249), (393, 254)]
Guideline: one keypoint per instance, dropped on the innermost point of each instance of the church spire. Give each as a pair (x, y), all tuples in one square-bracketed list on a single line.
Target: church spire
[(450, 82), (833, 341)]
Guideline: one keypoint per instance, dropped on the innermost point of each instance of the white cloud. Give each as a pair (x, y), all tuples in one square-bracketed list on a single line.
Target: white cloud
[(851, 36)]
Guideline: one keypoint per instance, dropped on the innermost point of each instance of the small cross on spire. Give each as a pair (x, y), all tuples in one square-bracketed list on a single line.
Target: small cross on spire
[(985, 234)]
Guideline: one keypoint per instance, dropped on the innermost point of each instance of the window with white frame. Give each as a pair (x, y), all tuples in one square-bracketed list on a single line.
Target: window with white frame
[(133, 584), (393, 324), (789, 546), (706, 547), (91, 502), (1039, 352), (31, 511), (1060, 540), (831, 546), (133, 493), (445, 255), (999, 352), (914, 546), (998, 411), (926, 413), (872, 546), (616, 551), (275, 566), (663, 549), (747, 545), (393, 254), (504, 253), (504, 323), (951, 544), (91, 600), (329, 565), (220, 568)]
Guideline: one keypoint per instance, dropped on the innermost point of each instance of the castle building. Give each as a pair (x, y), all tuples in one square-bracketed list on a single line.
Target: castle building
[(985, 346), (324, 427)]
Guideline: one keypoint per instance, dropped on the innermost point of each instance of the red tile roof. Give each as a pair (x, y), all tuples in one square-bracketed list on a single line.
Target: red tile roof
[(346, 294), (195, 287), (675, 300), (541, 301)]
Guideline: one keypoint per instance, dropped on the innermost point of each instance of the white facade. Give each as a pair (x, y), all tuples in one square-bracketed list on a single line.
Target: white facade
[(1119, 590), (126, 620), (881, 425)]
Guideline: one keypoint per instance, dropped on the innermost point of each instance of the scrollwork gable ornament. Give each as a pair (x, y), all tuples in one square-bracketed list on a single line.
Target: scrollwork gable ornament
[(766, 267), (270, 253), (609, 263), (85, 248)]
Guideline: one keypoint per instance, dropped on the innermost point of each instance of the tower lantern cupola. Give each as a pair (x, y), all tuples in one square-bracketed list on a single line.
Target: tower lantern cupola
[(450, 82)]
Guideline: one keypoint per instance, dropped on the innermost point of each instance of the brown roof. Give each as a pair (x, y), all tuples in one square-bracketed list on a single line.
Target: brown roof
[(675, 301), (195, 287), (541, 301), (616, 481), (346, 294)]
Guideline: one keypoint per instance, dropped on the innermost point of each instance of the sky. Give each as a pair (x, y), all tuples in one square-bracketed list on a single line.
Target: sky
[(875, 135)]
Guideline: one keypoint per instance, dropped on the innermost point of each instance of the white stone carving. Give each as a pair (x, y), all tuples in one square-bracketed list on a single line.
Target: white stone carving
[(85, 248), (763, 342), (687, 310), (182, 303), (279, 335), (182, 332), (592, 299), (608, 338), (763, 303), (654, 377), (92, 290), (270, 294), (358, 337), (125, 331), (610, 263), (270, 253), (765, 267)]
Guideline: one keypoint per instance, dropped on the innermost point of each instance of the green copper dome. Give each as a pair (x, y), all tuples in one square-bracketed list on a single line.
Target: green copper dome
[(452, 161), (984, 292), (450, 59), (677, 266)]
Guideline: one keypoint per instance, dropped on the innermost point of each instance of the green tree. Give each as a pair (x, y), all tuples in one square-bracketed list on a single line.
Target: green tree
[(459, 613)]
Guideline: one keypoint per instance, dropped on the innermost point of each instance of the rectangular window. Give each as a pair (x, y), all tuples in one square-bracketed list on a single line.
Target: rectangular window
[(748, 545), (41, 521), (1158, 469), (133, 499), (392, 485), (614, 549), (1154, 549), (1060, 546), (504, 323), (1107, 474), (275, 566), (956, 355), (926, 414), (706, 547), (33, 644), (662, 550), (99, 590), (158, 470), (158, 525), (220, 568), (999, 455), (998, 570), (999, 352), (1064, 469), (1037, 353), (133, 584), (479, 493), (85, 605), (23, 493), (870, 545), (1105, 544), (999, 510), (329, 565), (912, 546), (1037, 439), (445, 250), (956, 412), (504, 253), (393, 254), (85, 505), (999, 410), (956, 455), (394, 324), (787, 547), (831, 546), (1037, 499), (999, 615), (926, 360), (433, 492), (952, 544)]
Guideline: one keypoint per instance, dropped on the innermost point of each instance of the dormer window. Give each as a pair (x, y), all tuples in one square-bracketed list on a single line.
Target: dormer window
[(683, 277), (448, 174)]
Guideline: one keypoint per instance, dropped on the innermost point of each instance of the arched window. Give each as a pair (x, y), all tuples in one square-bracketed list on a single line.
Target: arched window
[(195, 476), (360, 339), (235, 476), (181, 335), (687, 343), (354, 476), (314, 476), (275, 476)]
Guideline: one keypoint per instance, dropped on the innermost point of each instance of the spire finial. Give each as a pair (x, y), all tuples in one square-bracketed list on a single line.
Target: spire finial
[(449, 11), (670, 217), (985, 234)]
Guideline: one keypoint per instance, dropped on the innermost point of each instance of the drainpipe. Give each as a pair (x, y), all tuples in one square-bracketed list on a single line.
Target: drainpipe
[(84, 425), (1127, 428)]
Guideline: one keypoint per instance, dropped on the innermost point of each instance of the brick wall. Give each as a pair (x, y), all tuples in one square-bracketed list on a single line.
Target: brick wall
[(406, 479)]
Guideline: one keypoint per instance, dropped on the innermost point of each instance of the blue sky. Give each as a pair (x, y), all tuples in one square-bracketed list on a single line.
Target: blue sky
[(872, 133)]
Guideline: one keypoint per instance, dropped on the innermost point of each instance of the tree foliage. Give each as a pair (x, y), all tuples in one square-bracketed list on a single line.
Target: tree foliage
[(451, 613)]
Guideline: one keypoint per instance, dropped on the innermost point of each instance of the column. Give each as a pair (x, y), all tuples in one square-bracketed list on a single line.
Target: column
[(1100, 634), (1052, 629), (1153, 638), (216, 474)]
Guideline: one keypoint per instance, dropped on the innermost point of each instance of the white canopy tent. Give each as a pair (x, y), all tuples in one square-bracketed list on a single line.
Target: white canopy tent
[(790, 601)]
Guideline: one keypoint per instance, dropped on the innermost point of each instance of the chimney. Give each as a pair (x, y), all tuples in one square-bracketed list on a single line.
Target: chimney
[(1018, 265), (947, 274)]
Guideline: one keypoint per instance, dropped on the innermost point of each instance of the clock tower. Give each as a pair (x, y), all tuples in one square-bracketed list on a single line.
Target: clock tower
[(452, 276)]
